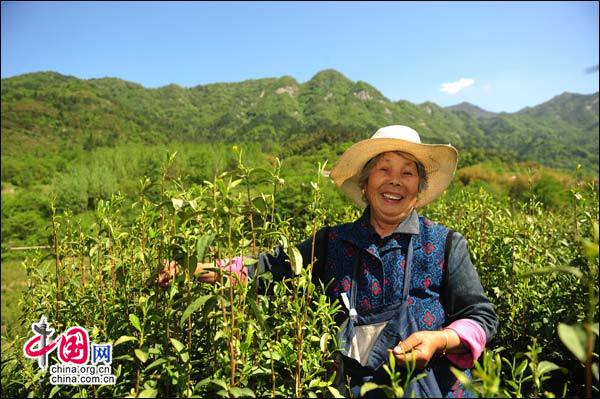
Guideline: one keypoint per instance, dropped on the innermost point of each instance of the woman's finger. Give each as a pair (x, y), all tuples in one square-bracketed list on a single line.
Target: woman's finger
[(415, 355), (399, 349), (207, 276), (412, 341)]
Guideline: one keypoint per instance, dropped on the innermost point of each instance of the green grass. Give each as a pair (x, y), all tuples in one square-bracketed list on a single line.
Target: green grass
[(14, 280)]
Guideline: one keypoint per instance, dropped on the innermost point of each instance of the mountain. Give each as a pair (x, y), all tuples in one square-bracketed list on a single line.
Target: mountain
[(561, 132), (49, 113), (471, 110), (567, 107)]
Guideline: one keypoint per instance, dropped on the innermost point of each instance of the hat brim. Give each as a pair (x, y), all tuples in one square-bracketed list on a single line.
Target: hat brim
[(439, 161)]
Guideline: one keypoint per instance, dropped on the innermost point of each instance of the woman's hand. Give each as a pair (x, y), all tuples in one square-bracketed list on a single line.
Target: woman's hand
[(202, 272), (422, 345), (171, 270), (205, 275)]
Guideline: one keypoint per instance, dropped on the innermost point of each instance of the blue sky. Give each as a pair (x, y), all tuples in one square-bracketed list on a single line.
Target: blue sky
[(501, 56)]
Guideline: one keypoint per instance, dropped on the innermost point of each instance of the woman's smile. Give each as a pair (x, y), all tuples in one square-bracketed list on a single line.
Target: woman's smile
[(392, 197)]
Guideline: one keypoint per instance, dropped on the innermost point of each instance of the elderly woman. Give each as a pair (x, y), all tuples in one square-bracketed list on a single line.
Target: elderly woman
[(407, 284)]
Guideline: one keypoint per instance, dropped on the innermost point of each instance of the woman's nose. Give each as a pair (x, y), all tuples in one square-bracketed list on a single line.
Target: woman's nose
[(395, 181)]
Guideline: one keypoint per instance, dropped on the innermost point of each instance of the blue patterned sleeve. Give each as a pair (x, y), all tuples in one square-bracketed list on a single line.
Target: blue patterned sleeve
[(463, 296)]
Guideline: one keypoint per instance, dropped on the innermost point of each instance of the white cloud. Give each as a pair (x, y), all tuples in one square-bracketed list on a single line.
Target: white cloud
[(455, 87)]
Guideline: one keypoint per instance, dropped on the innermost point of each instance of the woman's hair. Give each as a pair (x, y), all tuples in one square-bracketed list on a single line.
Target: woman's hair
[(364, 174)]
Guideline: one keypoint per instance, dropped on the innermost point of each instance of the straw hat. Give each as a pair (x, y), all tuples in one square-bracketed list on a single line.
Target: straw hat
[(439, 161)]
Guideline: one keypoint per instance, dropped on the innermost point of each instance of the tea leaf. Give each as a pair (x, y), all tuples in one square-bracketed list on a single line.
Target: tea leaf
[(193, 307), (140, 354), (201, 245), (177, 203), (177, 345), (521, 367), (248, 261), (54, 390), (217, 382), (335, 392), (369, 386), (148, 393), (124, 338), (323, 342), (573, 337), (590, 249), (260, 204), (460, 376), (155, 363), (185, 356), (235, 183), (135, 322), (545, 367), (295, 260)]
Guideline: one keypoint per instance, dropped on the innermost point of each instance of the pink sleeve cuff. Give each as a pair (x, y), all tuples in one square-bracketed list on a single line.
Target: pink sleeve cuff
[(473, 337), (234, 266)]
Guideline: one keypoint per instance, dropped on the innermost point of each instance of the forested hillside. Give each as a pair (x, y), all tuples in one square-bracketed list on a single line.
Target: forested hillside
[(48, 113)]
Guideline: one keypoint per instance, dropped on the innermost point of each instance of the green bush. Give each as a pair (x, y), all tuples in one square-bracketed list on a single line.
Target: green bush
[(232, 340)]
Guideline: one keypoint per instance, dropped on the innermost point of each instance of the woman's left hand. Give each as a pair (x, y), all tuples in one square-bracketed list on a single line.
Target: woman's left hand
[(420, 346)]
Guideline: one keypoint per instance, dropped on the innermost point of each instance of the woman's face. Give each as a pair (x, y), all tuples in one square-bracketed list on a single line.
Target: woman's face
[(392, 188)]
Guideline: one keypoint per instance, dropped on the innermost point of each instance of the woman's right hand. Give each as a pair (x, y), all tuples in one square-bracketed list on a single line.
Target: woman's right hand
[(171, 270), (205, 275)]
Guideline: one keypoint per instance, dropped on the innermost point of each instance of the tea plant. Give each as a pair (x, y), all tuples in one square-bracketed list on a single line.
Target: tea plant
[(400, 378), (276, 338)]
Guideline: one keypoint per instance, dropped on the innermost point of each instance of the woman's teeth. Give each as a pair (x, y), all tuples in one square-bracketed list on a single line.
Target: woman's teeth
[(392, 197)]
